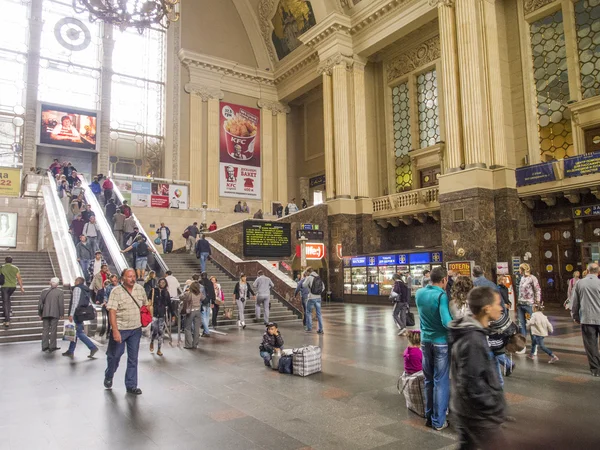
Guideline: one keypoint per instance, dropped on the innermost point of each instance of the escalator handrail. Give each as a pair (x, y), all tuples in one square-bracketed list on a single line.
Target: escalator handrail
[(63, 241), (110, 241), (157, 257)]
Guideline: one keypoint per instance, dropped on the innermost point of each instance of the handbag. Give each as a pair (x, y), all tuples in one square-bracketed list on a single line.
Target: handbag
[(410, 319), (83, 313), (150, 304), (157, 241), (186, 234), (145, 316)]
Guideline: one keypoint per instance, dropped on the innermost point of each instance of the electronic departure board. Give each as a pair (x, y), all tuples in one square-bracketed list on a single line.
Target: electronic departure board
[(267, 239)]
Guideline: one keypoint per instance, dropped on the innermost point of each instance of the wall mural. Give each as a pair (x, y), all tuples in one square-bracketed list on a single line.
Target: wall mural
[(293, 17)]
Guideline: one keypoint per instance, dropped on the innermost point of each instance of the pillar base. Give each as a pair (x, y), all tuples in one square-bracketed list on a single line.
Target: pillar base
[(343, 196)]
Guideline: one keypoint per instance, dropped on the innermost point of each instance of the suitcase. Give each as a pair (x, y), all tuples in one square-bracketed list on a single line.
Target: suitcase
[(169, 246), (413, 388), (306, 360)]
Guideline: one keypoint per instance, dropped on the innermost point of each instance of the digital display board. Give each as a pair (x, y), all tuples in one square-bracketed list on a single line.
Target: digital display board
[(312, 235), (419, 258), (62, 126), (267, 239)]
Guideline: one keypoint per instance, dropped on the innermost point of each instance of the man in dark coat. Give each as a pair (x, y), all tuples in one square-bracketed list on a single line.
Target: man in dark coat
[(51, 308)]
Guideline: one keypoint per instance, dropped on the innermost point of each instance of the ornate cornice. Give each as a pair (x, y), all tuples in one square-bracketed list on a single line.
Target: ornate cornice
[(375, 15), (274, 107), (204, 92), (325, 33), (326, 66), (266, 10), (440, 3), (532, 5), (313, 57), (422, 54)]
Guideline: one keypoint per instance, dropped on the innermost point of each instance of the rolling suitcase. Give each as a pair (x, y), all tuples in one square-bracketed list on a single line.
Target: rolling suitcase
[(169, 246)]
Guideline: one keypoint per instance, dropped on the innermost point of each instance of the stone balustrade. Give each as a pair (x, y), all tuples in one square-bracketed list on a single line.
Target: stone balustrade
[(406, 204)]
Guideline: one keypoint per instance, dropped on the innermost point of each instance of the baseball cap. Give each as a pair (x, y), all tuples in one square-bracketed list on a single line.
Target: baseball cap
[(271, 324)]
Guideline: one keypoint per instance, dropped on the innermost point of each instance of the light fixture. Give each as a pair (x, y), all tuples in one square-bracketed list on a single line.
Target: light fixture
[(125, 14)]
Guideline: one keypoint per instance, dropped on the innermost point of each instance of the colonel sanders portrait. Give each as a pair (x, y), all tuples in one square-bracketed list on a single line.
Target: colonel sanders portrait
[(230, 174)]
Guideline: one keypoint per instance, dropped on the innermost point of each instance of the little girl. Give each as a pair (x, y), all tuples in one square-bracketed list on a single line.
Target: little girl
[(413, 356), (540, 327)]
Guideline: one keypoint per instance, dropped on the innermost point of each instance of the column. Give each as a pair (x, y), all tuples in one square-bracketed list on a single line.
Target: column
[(360, 129), (108, 45), (212, 164), (197, 155), (266, 150), (32, 81), (473, 92), (341, 131), (328, 126), (450, 85), (282, 178)]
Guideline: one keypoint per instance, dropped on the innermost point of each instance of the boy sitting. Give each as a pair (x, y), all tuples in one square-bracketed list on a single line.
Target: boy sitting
[(272, 341)]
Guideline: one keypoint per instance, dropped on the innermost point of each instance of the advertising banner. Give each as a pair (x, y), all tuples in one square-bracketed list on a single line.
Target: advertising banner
[(125, 186), (178, 196), (586, 211), (461, 267), (240, 170), (8, 229), (538, 173), (10, 182), (160, 195), (577, 166), (140, 194)]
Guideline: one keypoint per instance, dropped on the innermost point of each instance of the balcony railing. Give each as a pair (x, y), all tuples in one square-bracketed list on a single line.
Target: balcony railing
[(406, 203)]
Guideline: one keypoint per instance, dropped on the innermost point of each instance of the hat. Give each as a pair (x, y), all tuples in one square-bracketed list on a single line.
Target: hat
[(271, 324), (98, 251)]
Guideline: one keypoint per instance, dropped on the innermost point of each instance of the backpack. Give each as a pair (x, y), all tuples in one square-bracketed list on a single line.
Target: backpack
[(317, 287), (2, 278), (287, 210), (142, 250)]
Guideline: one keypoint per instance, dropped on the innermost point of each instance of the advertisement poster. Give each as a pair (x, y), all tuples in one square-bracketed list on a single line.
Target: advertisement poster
[(125, 187), (178, 196), (464, 268), (240, 171), (10, 182), (140, 194), (8, 230), (160, 195)]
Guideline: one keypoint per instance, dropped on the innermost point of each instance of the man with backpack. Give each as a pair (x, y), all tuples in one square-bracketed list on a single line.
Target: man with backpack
[(400, 295), (142, 250), (79, 298), (316, 287)]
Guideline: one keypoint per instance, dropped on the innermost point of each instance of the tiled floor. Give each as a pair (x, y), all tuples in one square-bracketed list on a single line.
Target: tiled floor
[(222, 397)]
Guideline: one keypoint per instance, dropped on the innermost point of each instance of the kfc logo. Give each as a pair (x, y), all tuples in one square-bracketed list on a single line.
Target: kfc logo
[(231, 174)]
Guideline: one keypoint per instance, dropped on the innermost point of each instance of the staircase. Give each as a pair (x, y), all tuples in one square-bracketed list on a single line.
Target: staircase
[(36, 271), (184, 265)]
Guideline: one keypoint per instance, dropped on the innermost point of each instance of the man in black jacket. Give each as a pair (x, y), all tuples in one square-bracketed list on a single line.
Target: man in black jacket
[(202, 252), (478, 399), (400, 303), (209, 289), (111, 210)]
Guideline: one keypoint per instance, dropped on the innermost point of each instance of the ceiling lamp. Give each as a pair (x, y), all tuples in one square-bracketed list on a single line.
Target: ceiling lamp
[(123, 14)]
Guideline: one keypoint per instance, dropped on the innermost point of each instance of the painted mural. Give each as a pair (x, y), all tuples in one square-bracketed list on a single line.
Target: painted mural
[(293, 17)]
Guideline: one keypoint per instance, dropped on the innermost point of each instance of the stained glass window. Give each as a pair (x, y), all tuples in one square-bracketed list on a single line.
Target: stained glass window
[(552, 87), (429, 117), (587, 19), (402, 136)]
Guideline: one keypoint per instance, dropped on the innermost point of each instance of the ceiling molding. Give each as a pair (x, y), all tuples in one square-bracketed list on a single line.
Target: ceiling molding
[(252, 25)]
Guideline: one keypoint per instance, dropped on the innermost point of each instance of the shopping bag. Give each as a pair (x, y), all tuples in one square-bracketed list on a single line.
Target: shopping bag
[(228, 313), (69, 334)]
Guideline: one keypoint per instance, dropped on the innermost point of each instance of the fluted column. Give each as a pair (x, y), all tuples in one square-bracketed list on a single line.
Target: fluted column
[(197, 155), (108, 45), (341, 130), (328, 128), (360, 129), (266, 150), (475, 115), (282, 178), (450, 85), (212, 164)]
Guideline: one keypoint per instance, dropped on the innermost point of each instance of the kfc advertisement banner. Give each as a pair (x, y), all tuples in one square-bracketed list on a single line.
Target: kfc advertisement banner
[(240, 172)]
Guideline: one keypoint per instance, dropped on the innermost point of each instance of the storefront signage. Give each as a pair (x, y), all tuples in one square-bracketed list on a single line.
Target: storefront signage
[(577, 166), (436, 257), (371, 261), (419, 258), (338, 250), (316, 181), (538, 173), (586, 211), (313, 235), (402, 259), (387, 260), (461, 267), (516, 262), (359, 261), (267, 239), (10, 182), (314, 250)]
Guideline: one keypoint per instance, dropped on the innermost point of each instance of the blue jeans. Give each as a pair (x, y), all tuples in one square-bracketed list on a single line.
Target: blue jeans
[(521, 310), (502, 361), (203, 258), (131, 339), (80, 334), (85, 266), (94, 244), (436, 368), (164, 243), (316, 303), (205, 318), (266, 356), (304, 303), (539, 341)]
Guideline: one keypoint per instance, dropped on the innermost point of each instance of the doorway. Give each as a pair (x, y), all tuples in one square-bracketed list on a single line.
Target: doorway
[(558, 260)]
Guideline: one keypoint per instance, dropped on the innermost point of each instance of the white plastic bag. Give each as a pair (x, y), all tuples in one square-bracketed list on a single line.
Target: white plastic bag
[(69, 334)]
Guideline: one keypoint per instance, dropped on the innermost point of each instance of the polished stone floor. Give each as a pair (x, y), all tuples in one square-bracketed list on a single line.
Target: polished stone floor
[(222, 397)]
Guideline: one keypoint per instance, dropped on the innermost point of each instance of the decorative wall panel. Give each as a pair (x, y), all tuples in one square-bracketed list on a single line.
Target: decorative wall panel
[(402, 136)]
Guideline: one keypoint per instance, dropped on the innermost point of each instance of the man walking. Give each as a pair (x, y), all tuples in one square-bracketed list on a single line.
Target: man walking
[(90, 230), (432, 303), (202, 252), (124, 316), (119, 225), (80, 297), (141, 250), (163, 232), (401, 296), (110, 210), (108, 189), (263, 286), (209, 290), (586, 311), (303, 291), (51, 308), (479, 279), (192, 234), (316, 287), (12, 276), (85, 255)]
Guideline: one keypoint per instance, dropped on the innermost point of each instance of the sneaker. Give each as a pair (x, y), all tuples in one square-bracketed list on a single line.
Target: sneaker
[(510, 370), (535, 353), (108, 383), (7, 324), (446, 425), (151, 347), (93, 352), (521, 352), (595, 373), (134, 391), (69, 354), (239, 323), (205, 335), (159, 353), (553, 359), (243, 325), (428, 424), (320, 332), (306, 330), (531, 356), (402, 332), (267, 362)]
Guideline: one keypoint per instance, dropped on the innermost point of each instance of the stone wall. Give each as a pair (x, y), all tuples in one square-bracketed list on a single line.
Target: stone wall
[(27, 220)]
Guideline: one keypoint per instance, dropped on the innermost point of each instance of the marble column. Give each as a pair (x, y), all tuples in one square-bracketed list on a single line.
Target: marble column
[(212, 160), (266, 150), (108, 45), (341, 131), (328, 128), (360, 129), (32, 83), (450, 85), (282, 177), (197, 152), (473, 90)]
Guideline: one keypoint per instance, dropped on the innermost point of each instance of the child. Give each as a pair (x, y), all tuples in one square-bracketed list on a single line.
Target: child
[(272, 340), (540, 327), (413, 356), (477, 400)]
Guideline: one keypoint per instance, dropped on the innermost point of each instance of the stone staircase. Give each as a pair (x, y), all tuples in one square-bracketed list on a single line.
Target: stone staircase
[(36, 271), (184, 265)]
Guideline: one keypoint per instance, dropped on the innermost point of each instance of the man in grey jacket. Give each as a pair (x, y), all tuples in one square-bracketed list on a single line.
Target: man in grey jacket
[(586, 311), (314, 299), (51, 308), (119, 225), (263, 287), (85, 255)]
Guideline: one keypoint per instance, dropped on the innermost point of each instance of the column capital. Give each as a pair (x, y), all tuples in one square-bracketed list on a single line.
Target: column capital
[(326, 66), (442, 3), (204, 92), (274, 107)]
